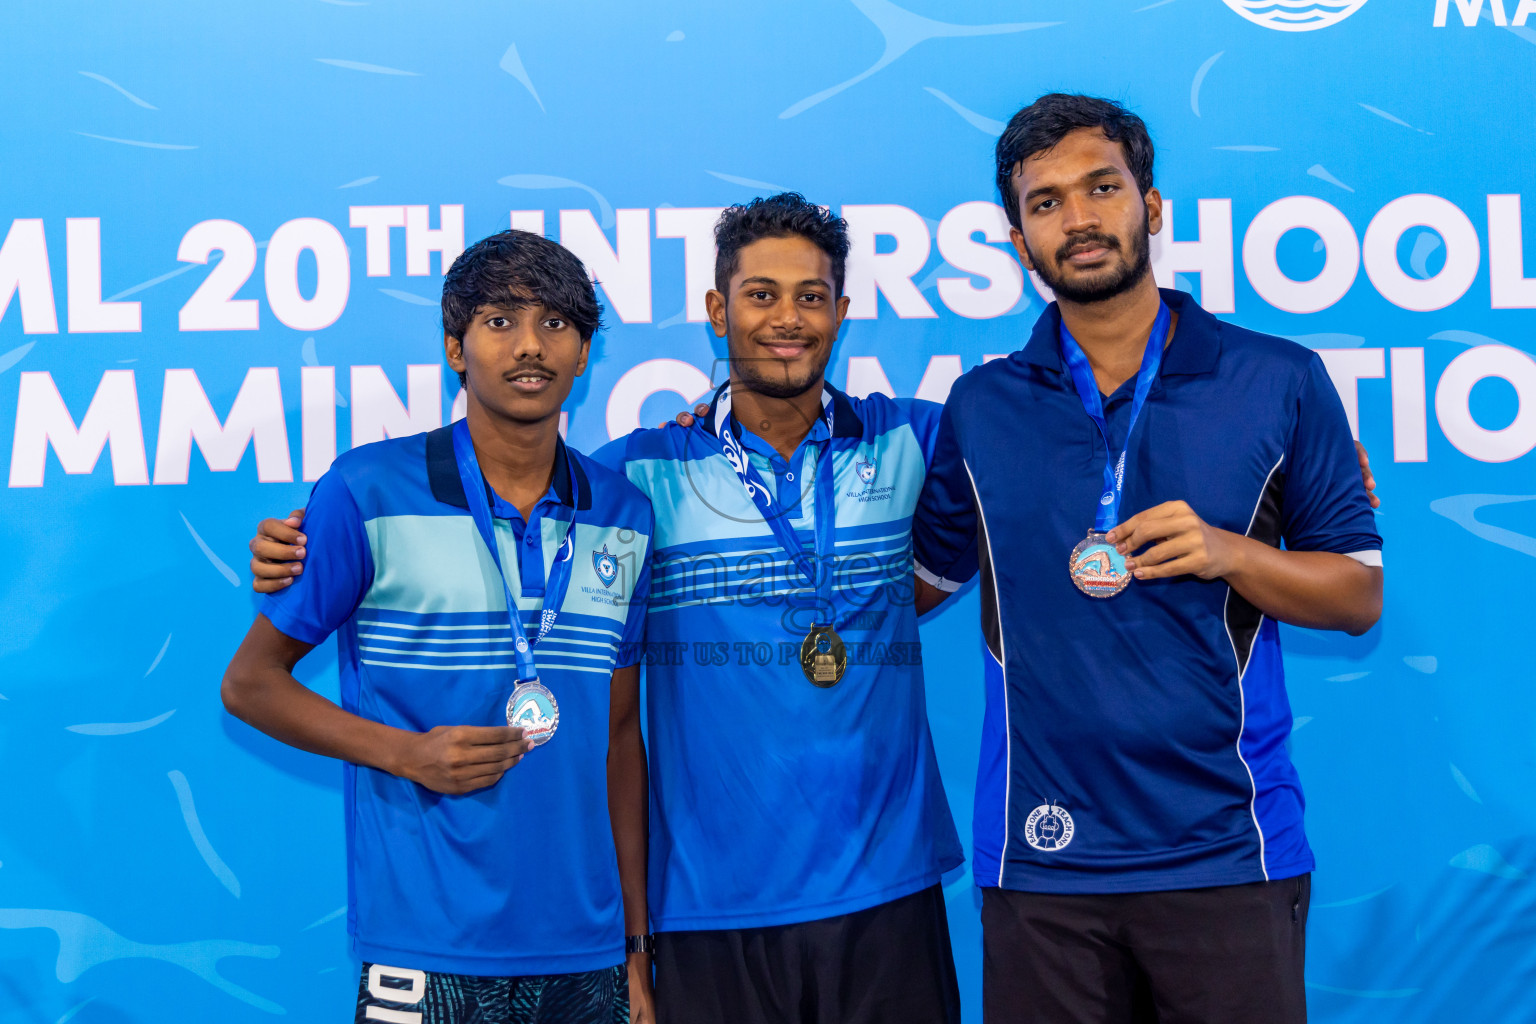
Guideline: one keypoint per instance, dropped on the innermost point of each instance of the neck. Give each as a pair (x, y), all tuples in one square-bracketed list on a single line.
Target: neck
[(516, 458), (1113, 334), (782, 422)]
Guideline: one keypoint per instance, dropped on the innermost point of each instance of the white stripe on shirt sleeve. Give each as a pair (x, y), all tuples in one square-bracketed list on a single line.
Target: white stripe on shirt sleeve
[(950, 586), (1366, 557)]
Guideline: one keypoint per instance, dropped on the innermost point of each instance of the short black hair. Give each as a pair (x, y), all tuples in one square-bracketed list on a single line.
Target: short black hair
[(1048, 120), (780, 216), (517, 269)]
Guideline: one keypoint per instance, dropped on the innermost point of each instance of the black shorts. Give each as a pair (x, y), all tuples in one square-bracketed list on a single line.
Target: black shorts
[(890, 964), (401, 995), (1227, 955)]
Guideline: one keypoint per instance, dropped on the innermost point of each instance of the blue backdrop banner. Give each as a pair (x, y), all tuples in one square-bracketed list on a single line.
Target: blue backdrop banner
[(224, 228)]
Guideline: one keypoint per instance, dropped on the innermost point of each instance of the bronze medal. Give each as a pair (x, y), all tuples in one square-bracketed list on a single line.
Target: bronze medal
[(823, 658)]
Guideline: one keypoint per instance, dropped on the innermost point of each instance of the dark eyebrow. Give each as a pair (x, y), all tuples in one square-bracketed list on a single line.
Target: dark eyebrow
[(770, 281), (1093, 175)]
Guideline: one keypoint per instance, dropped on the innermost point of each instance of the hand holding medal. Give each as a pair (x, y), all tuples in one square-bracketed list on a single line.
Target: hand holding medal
[(1097, 564), (1177, 542)]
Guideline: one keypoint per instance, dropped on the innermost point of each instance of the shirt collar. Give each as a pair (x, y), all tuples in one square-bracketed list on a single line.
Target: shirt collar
[(845, 421), (568, 483), (1194, 350)]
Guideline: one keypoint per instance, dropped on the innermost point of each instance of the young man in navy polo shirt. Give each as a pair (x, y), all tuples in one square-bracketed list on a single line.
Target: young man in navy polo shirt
[(487, 586), (1126, 482)]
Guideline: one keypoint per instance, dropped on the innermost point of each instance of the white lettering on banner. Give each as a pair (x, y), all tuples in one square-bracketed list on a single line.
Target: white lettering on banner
[(1341, 248), (42, 419), (377, 411), (1410, 433), (938, 378), (317, 405), (333, 274), (696, 227), (651, 377), (1453, 407), (1463, 253), (1523, 12), (376, 221), (1347, 366), (87, 313), (255, 419), (422, 240), (213, 307), (24, 273), (527, 220), (623, 269), (1508, 286), (1470, 10), (867, 377), (958, 248), (1210, 255), (889, 273)]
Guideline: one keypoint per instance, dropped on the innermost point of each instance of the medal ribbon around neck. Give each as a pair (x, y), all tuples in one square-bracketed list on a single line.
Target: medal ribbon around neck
[(559, 573), (818, 571), (1107, 516)]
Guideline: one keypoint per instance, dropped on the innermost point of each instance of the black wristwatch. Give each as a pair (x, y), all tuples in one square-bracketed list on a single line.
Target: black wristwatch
[(640, 944)]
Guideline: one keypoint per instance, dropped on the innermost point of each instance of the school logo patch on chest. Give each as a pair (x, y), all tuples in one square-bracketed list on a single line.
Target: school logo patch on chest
[(606, 566)]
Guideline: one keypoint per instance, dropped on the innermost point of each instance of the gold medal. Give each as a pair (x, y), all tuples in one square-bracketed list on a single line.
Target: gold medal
[(823, 658)]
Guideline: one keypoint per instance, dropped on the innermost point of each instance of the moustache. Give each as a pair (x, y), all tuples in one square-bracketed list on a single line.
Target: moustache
[(1083, 243)]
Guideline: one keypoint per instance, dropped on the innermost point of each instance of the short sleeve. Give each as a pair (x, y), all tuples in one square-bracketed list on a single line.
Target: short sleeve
[(632, 646), (1324, 505), (944, 525), (613, 455), (924, 417), (337, 571)]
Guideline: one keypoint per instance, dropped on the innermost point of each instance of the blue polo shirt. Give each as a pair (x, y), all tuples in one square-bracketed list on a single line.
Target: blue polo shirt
[(1137, 743), (773, 801), (521, 877)]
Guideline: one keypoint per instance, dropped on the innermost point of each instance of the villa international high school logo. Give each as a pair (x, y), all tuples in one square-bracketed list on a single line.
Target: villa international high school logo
[(1295, 15)]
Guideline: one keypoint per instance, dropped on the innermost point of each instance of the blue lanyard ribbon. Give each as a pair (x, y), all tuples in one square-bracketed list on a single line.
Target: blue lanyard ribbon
[(1108, 514), (817, 567), (479, 502)]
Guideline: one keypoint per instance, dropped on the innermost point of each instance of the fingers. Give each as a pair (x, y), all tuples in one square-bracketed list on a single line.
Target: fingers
[(284, 531), (1153, 529), (1174, 547), (1163, 511), (701, 409), (1181, 566)]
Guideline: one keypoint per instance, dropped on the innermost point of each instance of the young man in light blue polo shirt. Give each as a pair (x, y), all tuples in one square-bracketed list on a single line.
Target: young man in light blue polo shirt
[(487, 588)]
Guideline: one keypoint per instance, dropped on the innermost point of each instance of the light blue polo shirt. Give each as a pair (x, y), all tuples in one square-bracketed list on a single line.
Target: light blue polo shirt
[(519, 878), (773, 801)]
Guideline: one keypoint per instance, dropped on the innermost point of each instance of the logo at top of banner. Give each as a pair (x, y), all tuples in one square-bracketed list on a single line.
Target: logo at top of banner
[(1295, 15)]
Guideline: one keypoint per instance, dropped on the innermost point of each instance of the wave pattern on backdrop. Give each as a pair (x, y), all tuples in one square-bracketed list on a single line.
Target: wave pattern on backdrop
[(222, 253)]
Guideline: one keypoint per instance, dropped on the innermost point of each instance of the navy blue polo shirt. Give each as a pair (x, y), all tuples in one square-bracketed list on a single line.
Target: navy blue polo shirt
[(1137, 743), (520, 877)]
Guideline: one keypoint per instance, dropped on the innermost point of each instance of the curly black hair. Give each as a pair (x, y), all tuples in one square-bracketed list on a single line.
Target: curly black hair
[(780, 216), (1045, 122)]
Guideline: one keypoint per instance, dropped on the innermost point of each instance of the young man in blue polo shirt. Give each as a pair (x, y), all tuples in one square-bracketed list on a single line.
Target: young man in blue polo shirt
[(1126, 482), (799, 825), (487, 587)]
